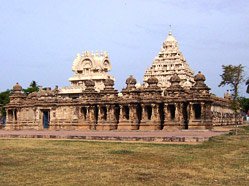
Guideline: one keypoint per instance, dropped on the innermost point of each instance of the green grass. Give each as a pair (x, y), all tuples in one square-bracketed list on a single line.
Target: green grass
[(224, 160)]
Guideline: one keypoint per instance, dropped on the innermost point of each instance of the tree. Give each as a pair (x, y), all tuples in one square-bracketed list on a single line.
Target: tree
[(244, 104), (4, 99), (233, 76), (33, 87)]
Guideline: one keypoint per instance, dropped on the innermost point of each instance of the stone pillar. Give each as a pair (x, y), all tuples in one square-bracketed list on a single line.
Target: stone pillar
[(80, 119), (144, 113), (97, 120), (16, 119), (100, 120), (144, 118), (121, 115), (75, 118), (91, 119), (8, 125), (166, 113), (179, 115), (191, 116), (133, 117), (111, 117), (202, 112), (155, 117), (86, 121), (207, 115), (39, 118)]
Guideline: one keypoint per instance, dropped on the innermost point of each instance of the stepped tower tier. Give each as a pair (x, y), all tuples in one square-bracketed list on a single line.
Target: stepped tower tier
[(168, 62), (89, 66)]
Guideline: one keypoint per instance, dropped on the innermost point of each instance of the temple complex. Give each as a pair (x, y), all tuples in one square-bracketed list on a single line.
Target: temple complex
[(168, 62), (173, 99)]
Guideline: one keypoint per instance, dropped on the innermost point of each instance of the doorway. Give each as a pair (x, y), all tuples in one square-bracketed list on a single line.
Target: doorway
[(197, 111), (46, 119)]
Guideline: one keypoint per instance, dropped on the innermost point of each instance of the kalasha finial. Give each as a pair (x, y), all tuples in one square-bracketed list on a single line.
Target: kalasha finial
[(170, 30)]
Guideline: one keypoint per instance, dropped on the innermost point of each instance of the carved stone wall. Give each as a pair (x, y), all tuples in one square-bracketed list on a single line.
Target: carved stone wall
[(142, 108), (172, 99)]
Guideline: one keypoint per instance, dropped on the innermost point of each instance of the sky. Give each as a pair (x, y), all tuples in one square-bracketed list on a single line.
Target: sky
[(39, 39)]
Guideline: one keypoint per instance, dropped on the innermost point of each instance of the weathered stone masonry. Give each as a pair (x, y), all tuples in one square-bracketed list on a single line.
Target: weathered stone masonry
[(171, 98), (138, 108)]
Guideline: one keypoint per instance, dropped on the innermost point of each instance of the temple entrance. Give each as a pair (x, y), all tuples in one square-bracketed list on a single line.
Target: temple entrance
[(185, 115), (197, 111), (46, 119)]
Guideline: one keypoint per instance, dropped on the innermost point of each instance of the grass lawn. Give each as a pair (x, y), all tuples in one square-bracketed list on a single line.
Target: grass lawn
[(224, 160)]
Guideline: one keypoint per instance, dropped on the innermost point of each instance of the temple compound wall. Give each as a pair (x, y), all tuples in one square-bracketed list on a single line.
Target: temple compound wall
[(143, 108), (222, 114), (171, 98)]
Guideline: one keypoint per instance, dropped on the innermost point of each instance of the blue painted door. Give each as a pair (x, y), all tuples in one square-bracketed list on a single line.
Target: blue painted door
[(46, 119)]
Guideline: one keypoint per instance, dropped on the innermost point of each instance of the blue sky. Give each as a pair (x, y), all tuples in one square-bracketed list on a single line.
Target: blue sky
[(39, 39)]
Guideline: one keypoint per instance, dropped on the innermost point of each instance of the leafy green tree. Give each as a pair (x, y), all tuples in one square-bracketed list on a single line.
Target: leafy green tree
[(33, 87), (233, 76), (4, 99), (244, 104)]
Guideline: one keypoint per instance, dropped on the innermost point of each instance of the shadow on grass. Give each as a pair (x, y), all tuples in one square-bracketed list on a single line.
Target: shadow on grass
[(122, 151)]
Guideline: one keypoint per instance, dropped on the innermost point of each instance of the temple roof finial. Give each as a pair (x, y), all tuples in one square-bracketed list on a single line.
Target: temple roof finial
[(170, 30)]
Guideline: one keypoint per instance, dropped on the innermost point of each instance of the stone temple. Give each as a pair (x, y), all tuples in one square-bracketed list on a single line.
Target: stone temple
[(172, 98)]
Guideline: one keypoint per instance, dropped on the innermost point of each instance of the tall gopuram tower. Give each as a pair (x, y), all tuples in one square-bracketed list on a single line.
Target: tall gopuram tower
[(168, 62), (89, 66)]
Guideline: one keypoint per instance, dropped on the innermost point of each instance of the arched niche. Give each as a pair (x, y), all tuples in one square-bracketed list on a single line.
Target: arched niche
[(86, 64), (106, 65)]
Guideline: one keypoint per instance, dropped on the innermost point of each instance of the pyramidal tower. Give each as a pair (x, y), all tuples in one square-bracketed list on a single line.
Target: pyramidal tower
[(168, 62)]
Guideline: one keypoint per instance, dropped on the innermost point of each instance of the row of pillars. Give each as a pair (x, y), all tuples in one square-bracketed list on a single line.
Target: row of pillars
[(156, 116), (143, 116)]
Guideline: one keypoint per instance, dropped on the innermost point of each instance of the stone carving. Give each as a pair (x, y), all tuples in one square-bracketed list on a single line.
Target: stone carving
[(92, 103), (168, 62), (89, 65)]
